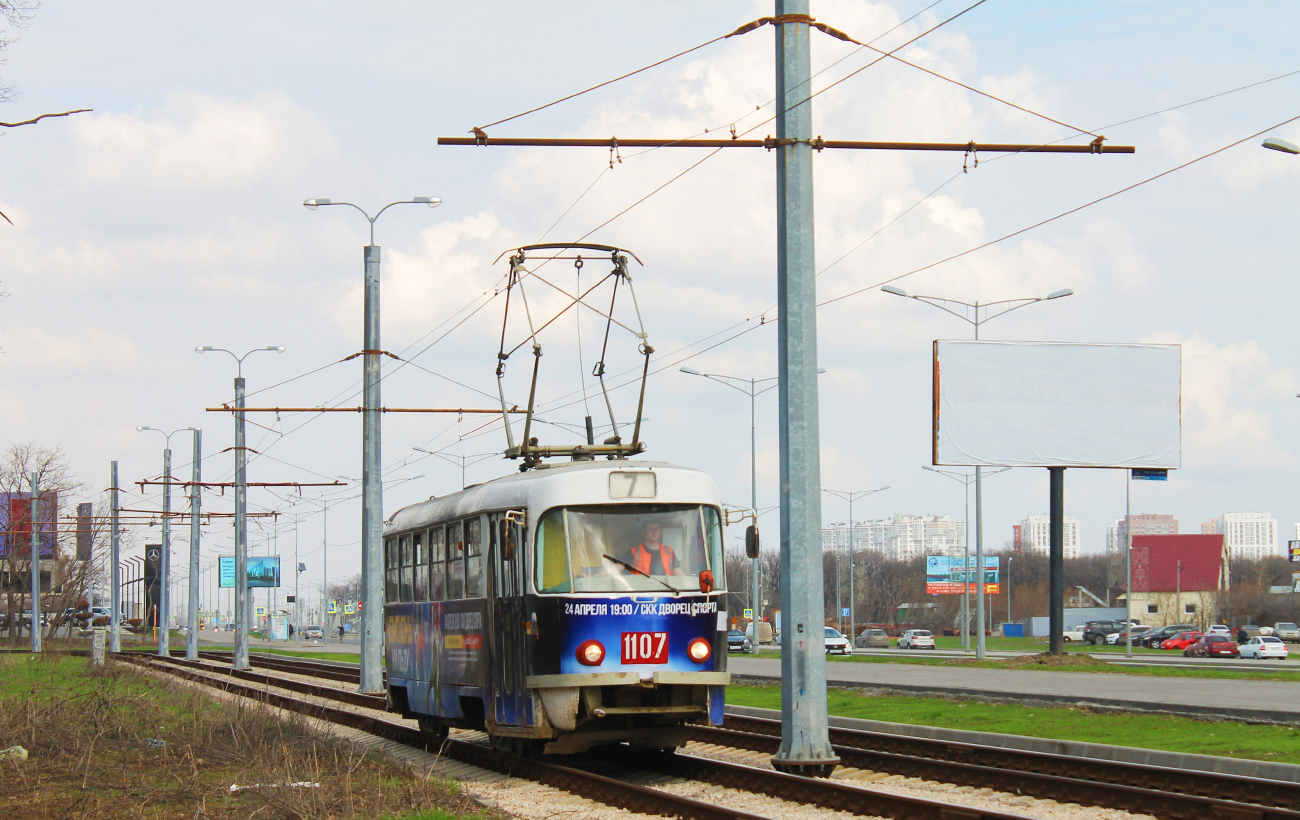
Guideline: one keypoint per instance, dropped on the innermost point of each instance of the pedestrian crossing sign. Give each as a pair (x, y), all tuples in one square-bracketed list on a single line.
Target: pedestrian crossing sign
[(347, 609), (333, 608), (259, 611)]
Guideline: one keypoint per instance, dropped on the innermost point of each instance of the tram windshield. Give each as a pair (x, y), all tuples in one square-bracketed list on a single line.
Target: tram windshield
[(628, 548)]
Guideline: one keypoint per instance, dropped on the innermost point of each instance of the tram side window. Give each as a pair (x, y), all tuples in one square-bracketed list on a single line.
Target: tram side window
[(474, 558), (552, 555), (390, 570), (437, 571), (455, 562), (408, 577), (421, 567), (504, 540)]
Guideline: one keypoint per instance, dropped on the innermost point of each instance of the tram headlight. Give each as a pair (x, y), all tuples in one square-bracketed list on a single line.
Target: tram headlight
[(591, 653), (699, 650)]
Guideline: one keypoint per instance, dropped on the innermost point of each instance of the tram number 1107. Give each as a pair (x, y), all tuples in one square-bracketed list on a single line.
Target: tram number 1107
[(645, 647)]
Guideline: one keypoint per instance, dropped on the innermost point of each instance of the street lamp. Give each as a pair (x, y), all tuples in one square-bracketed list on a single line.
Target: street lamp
[(971, 315), (241, 503), (1282, 145), (372, 492), (165, 559), (463, 461), (849, 496)]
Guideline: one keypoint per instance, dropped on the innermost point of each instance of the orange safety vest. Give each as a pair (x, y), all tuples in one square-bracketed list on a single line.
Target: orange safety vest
[(642, 558)]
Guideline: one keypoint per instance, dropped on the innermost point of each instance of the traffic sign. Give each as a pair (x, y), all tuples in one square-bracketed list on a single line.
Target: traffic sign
[(259, 611), (844, 612), (333, 608), (749, 614)]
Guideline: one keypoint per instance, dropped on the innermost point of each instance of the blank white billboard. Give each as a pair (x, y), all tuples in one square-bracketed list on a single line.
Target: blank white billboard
[(1057, 404)]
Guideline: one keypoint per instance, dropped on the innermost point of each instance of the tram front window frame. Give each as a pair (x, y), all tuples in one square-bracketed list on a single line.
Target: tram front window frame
[(574, 545)]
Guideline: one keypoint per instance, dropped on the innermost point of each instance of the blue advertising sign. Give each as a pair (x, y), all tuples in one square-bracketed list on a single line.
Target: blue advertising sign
[(263, 571), (1147, 474), (950, 575)]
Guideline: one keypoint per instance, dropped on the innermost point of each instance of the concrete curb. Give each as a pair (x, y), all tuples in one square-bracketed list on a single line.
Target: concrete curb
[(1100, 704), (1285, 772)]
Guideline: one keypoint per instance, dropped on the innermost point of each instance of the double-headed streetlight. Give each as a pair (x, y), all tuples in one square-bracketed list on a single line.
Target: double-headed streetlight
[(372, 493), (165, 558), (849, 496), (241, 502), (976, 314)]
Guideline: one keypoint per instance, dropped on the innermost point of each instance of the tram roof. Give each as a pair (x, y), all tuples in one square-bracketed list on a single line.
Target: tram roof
[(550, 485)]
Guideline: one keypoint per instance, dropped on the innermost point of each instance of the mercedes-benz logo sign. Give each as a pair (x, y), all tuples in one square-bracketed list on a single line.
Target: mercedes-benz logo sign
[(154, 555)]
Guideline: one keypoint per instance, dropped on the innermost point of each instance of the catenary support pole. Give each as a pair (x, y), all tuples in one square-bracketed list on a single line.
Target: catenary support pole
[(979, 563), (165, 560), (755, 590), (1056, 560), (805, 742), (242, 624), (196, 505), (35, 553), (115, 567), (1128, 563), (372, 491), (965, 572)]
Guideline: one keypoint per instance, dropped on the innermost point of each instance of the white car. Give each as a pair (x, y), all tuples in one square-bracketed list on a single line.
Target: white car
[(1117, 638), (916, 639), (1073, 635), (1264, 646), (835, 642), (1219, 629)]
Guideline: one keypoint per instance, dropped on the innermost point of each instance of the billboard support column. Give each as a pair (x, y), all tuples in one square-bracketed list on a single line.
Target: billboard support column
[(979, 564), (1056, 560), (115, 577)]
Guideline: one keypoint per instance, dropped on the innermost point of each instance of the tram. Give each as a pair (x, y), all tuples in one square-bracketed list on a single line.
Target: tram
[(575, 605)]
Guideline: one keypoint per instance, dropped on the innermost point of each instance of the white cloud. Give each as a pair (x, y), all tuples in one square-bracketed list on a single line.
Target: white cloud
[(198, 141), (1224, 390)]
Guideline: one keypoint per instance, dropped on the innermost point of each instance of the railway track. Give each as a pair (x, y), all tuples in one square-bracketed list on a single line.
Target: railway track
[(610, 790), (1156, 790)]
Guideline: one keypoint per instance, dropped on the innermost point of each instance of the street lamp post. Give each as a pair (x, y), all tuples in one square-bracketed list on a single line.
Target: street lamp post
[(752, 388), (165, 565), (241, 503), (971, 314), (372, 505), (850, 496)]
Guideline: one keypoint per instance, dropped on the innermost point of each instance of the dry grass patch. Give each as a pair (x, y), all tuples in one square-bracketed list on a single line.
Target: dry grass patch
[(117, 743)]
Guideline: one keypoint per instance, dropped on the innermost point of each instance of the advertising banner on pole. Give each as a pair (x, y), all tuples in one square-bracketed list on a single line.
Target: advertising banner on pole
[(263, 571), (945, 575), (1293, 550)]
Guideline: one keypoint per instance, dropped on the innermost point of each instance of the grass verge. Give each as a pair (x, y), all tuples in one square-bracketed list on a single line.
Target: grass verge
[(115, 742), (1279, 744)]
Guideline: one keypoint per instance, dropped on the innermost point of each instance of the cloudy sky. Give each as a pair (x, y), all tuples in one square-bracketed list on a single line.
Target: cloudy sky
[(171, 217)]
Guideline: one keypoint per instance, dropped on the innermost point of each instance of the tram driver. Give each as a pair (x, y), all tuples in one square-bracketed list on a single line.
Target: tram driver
[(652, 556)]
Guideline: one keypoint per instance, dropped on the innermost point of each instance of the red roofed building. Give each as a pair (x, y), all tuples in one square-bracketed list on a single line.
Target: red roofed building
[(1177, 578)]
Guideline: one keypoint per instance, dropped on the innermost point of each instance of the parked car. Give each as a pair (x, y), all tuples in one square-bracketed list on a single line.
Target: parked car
[(1287, 631), (738, 641), (313, 633), (1073, 635), (1264, 646), (1212, 645), (872, 639), (835, 642), (916, 639), (1119, 638), (1181, 641), (1219, 629), (1160, 634), (1095, 632)]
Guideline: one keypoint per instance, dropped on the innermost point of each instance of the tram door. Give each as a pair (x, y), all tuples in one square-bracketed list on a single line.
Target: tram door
[(509, 668)]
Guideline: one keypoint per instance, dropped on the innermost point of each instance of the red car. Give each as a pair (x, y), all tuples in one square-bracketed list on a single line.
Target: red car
[(1212, 646), (1181, 641)]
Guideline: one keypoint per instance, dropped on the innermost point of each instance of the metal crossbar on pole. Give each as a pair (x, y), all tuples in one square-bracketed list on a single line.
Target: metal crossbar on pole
[(771, 144), (458, 410)]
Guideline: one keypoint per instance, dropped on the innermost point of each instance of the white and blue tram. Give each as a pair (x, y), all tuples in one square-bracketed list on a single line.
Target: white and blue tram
[(532, 607)]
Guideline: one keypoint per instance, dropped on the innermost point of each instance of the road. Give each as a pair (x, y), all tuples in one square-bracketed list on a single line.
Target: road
[(1174, 694)]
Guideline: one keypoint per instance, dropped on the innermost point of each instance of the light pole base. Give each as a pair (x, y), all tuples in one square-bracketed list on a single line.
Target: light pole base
[(818, 767)]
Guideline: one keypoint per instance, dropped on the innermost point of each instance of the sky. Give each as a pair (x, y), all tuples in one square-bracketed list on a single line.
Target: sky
[(171, 217)]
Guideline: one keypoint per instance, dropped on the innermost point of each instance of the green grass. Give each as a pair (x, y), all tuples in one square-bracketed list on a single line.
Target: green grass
[(1278, 744), (1101, 667), (341, 657)]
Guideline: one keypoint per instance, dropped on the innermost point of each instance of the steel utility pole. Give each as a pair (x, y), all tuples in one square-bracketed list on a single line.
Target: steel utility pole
[(196, 491), (372, 489), (35, 549), (115, 570), (805, 739), (1055, 560)]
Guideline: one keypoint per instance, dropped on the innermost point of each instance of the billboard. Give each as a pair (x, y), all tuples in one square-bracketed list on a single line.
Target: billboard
[(16, 518), (950, 575), (1057, 404), (263, 571), (1293, 550)]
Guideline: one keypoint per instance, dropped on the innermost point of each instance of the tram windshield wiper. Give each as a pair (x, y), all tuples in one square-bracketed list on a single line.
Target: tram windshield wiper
[(675, 590)]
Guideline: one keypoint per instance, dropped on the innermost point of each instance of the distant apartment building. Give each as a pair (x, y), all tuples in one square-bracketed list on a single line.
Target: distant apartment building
[(1246, 535), (899, 536), (1144, 524), (1035, 535)]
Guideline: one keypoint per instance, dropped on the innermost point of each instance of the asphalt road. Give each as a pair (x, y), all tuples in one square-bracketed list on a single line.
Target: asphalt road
[(1179, 693)]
